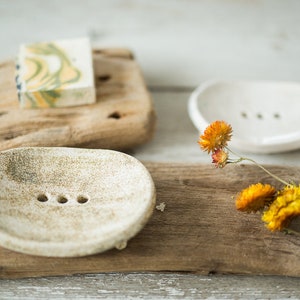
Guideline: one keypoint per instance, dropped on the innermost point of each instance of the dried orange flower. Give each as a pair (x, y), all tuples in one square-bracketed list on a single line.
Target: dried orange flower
[(220, 158), (255, 197), (278, 208), (285, 207), (215, 136)]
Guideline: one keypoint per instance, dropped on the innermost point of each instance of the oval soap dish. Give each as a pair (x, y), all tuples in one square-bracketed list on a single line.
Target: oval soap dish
[(68, 202), (264, 115)]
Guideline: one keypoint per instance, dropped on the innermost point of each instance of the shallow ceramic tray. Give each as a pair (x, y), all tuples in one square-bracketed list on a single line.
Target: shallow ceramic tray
[(264, 115), (71, 202)]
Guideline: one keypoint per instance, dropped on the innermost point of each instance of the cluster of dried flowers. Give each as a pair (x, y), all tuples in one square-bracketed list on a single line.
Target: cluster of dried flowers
[(278, 207)]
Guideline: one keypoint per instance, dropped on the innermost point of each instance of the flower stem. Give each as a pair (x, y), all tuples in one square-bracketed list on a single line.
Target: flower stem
[(291, 231), (258, 165)]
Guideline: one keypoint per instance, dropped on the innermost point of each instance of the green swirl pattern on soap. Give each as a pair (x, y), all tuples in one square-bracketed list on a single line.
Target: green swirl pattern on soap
[(45, 85)]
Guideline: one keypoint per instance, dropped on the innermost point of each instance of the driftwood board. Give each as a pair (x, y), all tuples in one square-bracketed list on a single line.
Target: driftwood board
[(199, 231), (122, 117)]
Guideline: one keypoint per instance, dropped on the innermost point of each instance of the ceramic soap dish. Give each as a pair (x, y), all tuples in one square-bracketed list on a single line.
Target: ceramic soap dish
[(264, 115), (66, 202)]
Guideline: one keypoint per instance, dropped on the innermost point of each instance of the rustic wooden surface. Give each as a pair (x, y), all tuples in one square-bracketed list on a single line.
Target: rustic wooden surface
[(151, 286), (178, 45), (199, 231), (122, 117)]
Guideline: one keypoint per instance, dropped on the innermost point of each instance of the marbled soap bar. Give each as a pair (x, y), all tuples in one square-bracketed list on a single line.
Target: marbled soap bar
[(55, 74)]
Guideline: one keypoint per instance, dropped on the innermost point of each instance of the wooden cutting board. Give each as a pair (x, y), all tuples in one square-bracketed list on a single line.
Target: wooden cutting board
[(199, 231), (122, 117)]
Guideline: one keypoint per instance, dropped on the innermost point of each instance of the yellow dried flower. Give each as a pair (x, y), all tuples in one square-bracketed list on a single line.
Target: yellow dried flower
[(220, 158), (216, 136), (255, 197), (285, 207)]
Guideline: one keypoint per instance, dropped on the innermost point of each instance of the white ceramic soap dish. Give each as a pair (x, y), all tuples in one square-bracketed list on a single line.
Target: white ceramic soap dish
[(265, 116)]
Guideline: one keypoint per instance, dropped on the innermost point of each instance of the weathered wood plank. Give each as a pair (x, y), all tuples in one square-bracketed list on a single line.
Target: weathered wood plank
[(122, 117), (199, 231), (151, 286)]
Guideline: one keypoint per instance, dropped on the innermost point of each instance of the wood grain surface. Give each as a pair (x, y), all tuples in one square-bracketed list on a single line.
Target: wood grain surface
[(199, 231), (151, 286), (122, 117)]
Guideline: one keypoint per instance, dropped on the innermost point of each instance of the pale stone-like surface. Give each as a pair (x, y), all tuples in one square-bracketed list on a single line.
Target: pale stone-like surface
[(71, 202)]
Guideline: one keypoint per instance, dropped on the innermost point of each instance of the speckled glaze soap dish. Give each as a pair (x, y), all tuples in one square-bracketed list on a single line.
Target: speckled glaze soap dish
[(67, 202), (264, 115)]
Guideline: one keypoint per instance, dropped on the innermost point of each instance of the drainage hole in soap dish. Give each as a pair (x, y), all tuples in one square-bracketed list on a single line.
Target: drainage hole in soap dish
[(42, 198), (62, 199), (82, 199)]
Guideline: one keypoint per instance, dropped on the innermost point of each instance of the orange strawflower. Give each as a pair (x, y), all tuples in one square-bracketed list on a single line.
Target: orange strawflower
[(215, 136), (278, 208), (220, 158), (255, 197), (284, 208)]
